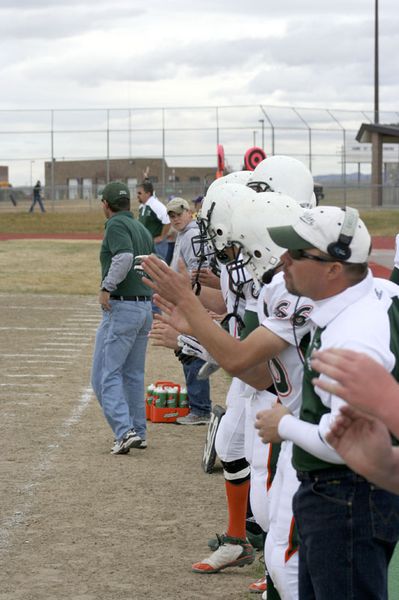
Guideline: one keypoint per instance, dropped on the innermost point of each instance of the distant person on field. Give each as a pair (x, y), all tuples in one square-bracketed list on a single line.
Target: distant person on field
[(11, 195), (153, 215), (37, 197)]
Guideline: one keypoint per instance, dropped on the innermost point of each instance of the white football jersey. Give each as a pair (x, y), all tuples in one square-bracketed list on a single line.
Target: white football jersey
[(287, 316)]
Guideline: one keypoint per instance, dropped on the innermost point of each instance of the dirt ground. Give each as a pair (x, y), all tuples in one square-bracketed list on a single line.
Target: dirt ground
[(80, 524)]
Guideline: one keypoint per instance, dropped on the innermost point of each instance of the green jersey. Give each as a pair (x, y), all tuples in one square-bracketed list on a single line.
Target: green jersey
[(123, 234), (153, 216)]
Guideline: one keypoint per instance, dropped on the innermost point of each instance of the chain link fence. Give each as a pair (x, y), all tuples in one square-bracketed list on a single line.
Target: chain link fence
[(324, 139)]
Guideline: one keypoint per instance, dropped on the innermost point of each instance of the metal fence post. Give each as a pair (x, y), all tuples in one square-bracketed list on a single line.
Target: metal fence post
[(271, 127), (52, 187), (108, 169), (309, 136), (163, 156), (343, 154)]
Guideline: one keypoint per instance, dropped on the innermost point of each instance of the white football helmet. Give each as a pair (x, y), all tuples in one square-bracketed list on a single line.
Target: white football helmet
[(285, 175), (248, 230), (235, 177), (217, 209)]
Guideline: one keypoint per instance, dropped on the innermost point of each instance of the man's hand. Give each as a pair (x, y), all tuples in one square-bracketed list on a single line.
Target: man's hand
[(163, 334), (170, 285), (171, 315), (206, 277), (267, 422), (103, 299), (357, 378), (365, 445)]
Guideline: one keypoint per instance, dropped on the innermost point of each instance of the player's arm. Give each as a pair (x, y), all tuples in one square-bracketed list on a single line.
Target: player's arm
[(305, 435), (117, 272), (212, 299), (276, 425), (361, 381), (206, 277), (234, 356)]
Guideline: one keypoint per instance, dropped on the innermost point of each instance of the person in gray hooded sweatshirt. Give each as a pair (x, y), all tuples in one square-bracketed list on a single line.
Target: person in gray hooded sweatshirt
[(182, 221)]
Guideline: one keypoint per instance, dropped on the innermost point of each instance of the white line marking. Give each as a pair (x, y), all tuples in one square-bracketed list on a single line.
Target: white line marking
[(27, 375), (45, 349), (37, 361), (3, 394), (15, 367), (66, 344), (33, 356), (22, 384), (39, 471), (57, 307)]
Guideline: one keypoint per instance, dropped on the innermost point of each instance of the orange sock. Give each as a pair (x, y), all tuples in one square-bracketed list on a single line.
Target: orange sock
[(237, 499)]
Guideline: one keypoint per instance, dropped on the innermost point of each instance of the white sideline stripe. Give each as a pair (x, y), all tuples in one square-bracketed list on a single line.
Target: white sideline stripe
[(40, 470), (38, 361), (27, 375), (62, 329), (22, 384), (79, 333), (34, 356), (65, 344), (90, 320), (15, 367), (44, 348), (4, 394), (56, 307), (11, 396)]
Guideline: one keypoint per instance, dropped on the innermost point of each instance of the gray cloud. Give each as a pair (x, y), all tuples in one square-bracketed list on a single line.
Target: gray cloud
[(46, 21), (322, 54)]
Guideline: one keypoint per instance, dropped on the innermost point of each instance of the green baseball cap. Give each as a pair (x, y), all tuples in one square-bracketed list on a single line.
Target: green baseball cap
[(114, 191)]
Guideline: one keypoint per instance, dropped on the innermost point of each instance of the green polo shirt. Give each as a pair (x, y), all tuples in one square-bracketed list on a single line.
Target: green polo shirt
[(150, 220), (124, 234)]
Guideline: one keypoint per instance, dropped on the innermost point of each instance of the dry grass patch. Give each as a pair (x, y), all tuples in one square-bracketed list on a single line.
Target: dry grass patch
[(79, 222), (381, 222), (50, 267)]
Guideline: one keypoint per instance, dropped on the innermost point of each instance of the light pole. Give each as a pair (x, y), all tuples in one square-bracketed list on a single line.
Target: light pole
[(376, 60), (31, 173), (262, 122)]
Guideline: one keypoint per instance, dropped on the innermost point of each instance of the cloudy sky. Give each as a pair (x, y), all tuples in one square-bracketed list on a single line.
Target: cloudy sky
[(75, 53), (135, 53)]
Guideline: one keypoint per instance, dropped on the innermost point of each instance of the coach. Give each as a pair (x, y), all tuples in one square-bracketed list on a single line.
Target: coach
[(121, 340)]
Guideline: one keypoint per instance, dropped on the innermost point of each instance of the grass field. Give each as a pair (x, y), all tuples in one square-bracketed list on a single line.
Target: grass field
[(379, 222)]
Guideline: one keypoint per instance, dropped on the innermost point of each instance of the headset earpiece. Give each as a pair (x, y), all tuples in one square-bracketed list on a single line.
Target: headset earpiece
[(341, 248)]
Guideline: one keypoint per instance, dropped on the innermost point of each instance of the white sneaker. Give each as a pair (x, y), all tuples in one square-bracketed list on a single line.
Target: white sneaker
[(264, 595), (129, 440), (236, 554)]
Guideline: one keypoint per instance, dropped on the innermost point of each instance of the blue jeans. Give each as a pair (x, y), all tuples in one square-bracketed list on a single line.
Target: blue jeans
[(198, 391), (38, 201), (348, 529), (161, 248), (118, 365)]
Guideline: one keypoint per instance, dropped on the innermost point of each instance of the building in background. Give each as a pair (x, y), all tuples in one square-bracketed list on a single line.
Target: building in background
[(3, 176), (84, 179)]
